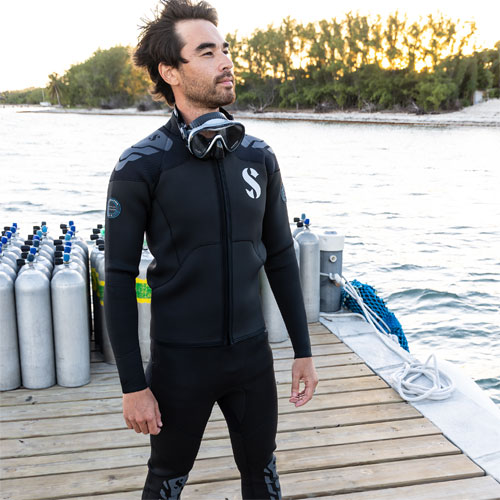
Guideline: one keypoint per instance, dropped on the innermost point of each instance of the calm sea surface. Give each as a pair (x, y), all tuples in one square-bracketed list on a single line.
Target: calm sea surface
[(419, 208)]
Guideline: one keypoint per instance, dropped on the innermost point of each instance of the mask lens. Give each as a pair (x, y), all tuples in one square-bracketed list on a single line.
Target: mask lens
[(231, 134)]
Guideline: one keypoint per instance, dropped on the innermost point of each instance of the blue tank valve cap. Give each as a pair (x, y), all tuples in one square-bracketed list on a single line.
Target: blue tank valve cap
[(5, 240), (8, 234), (66, 257), (67, 236), (13, 229), (71, 223), (14, 224), (32, 250), (307, 222), (39, 233), (71, 233), (73, 228), (36, 237), (67, 249), (44, 228), (31, 257), (303, 216)]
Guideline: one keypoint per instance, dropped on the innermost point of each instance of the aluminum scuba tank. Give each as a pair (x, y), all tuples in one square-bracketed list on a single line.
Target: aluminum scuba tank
[(109, 356), (10, 249), (143, 294), (71, 328), (96, 306), (8, 259), (10, 367), (331, 246), (309, 271), (34, 325), (277, 331), (275, 325)]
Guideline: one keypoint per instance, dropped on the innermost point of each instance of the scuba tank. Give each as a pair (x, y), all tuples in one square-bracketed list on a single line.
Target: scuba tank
[(7, 259), (34, 324), (309, 271), (276, 328), (331, 246), (143, 294), (10, 368), (96, 306), (109, 356), (39, 265), (71, 328)]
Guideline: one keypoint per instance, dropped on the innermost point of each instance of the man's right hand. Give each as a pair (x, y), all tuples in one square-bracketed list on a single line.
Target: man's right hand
[(141, 412)]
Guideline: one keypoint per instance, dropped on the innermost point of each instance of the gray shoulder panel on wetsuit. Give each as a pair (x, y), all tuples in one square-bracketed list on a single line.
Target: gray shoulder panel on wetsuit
[(155, 143), (254, 142)]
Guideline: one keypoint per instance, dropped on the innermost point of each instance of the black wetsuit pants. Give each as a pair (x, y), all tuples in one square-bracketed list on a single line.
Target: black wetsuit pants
[(187, 382)]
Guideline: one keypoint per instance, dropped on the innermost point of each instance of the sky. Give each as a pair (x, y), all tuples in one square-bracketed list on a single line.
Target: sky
[(42, 37)]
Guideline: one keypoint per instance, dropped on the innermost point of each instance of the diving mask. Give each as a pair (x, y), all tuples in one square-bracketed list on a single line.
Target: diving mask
[(222, 132)]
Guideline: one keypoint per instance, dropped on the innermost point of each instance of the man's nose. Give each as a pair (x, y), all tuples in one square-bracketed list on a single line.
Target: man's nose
[(226, 62)]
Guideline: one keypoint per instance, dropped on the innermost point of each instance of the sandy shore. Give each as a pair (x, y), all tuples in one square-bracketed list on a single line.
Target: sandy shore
[(483, 114)]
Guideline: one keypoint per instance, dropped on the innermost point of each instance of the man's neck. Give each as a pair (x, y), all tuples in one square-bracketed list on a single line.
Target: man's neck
[(190, 112)]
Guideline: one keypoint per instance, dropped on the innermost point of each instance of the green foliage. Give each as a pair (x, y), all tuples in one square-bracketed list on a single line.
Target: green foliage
[(108, 79), (26, 96), (357, 62)]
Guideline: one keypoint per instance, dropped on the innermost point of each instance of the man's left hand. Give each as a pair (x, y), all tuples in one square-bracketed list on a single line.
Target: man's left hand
[(303, 369)]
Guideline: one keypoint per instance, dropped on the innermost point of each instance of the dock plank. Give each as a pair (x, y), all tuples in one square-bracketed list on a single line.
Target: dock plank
[(477, 488), (127, 438), (32, 396), (114, 405), (291, 421), (89, 392), (302, 453), (200, 484)]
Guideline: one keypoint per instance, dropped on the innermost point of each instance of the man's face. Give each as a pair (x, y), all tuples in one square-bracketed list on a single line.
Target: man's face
[(207, 79)]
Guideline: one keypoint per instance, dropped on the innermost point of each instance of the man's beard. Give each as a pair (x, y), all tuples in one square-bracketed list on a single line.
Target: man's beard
[(209, 97)]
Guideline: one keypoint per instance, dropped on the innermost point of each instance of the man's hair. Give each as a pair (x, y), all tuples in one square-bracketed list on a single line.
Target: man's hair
[(159, 41)]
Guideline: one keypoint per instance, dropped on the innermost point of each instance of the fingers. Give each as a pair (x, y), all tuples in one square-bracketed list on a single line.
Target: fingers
[(306, 394), (295, 384), (142, 415)]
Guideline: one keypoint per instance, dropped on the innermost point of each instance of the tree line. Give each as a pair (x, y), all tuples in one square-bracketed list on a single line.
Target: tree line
[(354, 62)]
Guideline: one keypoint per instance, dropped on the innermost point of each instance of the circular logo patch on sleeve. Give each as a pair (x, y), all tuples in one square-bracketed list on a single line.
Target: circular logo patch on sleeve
[(114, 208), (283, 194)]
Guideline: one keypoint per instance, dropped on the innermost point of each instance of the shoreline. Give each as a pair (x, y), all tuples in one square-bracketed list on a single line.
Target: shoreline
[(484, 114)]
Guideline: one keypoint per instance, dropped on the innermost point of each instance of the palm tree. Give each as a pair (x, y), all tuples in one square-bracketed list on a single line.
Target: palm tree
[(55, 87)]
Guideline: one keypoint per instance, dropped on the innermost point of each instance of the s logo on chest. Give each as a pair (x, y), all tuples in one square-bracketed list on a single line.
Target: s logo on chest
[(249, 175)]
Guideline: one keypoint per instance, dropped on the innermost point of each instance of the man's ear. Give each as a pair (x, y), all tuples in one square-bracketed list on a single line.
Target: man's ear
[(169, 74)]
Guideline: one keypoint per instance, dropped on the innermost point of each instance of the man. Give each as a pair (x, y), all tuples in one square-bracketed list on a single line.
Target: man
[(213, 207)]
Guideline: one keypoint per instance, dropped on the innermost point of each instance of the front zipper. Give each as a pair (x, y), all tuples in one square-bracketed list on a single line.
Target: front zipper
[(228, 257)]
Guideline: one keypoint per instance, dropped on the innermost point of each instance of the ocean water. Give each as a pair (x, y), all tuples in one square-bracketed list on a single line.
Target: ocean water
[(419, 208)]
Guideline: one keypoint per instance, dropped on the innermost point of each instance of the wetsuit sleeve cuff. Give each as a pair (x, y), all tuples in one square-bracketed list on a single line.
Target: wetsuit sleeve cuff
[(303, 354), (131, 372)]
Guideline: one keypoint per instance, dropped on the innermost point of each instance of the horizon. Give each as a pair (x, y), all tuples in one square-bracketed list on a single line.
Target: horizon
[(60, 44)]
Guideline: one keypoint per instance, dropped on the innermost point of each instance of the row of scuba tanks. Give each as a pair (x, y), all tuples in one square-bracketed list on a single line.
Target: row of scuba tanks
[(52, 301)]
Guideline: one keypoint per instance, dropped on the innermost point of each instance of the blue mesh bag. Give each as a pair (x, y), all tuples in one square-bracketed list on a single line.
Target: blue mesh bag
[(377, 305)]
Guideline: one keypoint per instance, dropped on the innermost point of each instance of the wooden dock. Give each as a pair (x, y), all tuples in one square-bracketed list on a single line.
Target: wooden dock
[(355, 440)]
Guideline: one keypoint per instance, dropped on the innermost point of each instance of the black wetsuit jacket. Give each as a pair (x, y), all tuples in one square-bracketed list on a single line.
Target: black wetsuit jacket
[(210, 225)]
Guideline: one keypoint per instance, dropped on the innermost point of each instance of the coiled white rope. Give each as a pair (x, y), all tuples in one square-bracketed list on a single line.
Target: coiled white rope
[(404, 380)]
